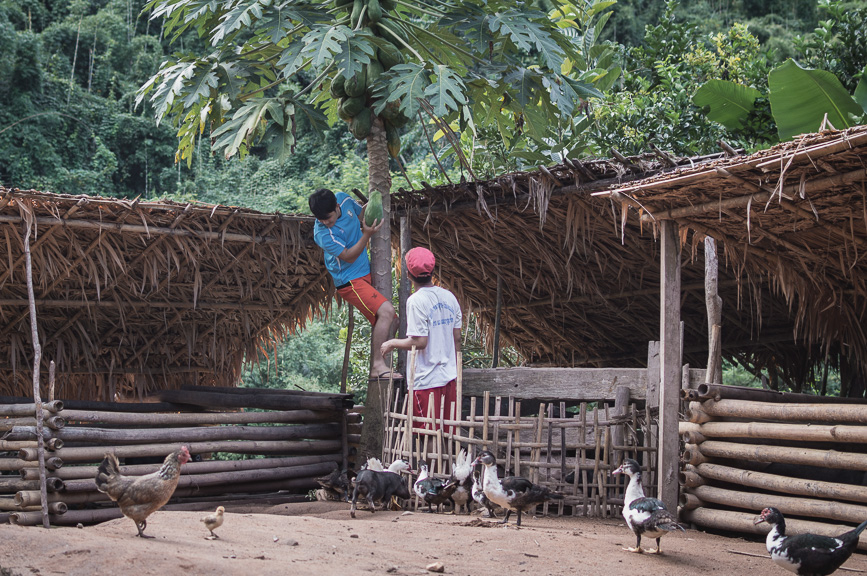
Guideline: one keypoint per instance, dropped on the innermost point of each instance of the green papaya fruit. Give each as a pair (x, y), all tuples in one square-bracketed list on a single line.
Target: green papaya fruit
[(357, 6), (388, 4), (357, 85), (389, 56), (374, 71), (341, 113), (373, 210), (360, 124), (392, 138), (337, 88), (374, 12), (391, 32), (351, 106), (391, 110)]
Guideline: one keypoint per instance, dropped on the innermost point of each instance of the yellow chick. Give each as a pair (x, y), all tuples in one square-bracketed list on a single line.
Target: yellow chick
[(213, 521)]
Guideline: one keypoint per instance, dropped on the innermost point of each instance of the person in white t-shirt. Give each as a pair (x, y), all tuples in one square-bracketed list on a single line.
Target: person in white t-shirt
[(433, 326)]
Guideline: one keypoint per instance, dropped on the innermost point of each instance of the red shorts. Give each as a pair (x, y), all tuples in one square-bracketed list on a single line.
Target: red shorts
[(361, 294), (437, 396)]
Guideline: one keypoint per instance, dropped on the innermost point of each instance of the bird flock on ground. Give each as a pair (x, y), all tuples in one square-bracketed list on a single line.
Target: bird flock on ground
[(477, 480)]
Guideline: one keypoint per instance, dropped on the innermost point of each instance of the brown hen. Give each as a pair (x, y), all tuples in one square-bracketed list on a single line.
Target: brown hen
[(140, 496)]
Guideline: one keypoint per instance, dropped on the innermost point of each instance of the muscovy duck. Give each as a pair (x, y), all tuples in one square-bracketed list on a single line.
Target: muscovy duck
[(645, 516), (433, 491), (807, 554), (462, 475), (479, 490), (513, 493)]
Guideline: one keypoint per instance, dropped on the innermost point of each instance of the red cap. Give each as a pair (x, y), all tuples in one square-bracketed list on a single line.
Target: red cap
[(420, 262)]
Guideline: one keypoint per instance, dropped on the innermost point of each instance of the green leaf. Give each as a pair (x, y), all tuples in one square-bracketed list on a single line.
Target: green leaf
[(861, 90), (241, 15), (527, 35), (446, 92), (323, 42), (525, 83), (408, 84), (355, 52), (200, 86), (730, 103), (292, 59), (800, 98), (246, 126)]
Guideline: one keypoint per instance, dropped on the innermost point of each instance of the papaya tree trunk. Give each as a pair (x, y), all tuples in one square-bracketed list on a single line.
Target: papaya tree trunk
[(380, 271)]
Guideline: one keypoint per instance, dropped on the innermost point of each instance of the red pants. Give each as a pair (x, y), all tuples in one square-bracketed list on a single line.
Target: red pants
[(423, 398)]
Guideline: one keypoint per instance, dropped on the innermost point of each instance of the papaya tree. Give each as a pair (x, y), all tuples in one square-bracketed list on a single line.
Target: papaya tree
[(375, 64)]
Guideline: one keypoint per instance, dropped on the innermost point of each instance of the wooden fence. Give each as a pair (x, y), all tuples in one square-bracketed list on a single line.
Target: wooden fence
[(298, 437), (580, 425), (747, 449)]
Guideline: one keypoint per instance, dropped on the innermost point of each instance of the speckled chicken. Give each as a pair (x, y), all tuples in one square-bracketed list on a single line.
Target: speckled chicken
[(213, 521), (140, 496)]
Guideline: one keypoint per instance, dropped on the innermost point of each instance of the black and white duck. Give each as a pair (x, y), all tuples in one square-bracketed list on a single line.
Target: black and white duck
[(462, 476), (513, 493), (807, 554), (479, 490), (433, 491), (645, 516)]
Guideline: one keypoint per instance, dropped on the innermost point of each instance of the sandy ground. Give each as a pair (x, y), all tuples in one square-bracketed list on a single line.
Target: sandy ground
[(319, 538)]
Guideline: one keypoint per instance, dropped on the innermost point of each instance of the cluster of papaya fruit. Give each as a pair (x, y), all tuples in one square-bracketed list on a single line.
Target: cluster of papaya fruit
[(354, 95)]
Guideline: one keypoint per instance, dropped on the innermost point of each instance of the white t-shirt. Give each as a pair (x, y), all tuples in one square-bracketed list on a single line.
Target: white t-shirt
[(434, 312)]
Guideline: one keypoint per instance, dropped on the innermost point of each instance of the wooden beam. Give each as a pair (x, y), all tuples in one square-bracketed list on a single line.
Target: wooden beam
[(251, 307), (670, 366), (555, 383)]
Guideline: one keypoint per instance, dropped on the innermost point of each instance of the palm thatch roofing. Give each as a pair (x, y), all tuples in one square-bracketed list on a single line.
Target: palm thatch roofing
[(575, 247), (134, 297)]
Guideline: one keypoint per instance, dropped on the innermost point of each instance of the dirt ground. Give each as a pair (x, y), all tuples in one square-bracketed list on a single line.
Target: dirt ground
[(319, 538)]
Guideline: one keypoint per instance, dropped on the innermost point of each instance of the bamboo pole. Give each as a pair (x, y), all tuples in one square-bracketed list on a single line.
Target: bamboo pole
[(784, 484), (410, 390), (687, 501), (785, 454), (194, 468), (194, 419), (777, 431), (112, 436), (785, 504), (697, 415), (262, 400), (726, 392), (95, 453), (29, 409)]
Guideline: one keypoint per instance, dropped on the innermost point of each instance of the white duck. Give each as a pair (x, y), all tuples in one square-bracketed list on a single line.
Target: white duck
[(462, 474)]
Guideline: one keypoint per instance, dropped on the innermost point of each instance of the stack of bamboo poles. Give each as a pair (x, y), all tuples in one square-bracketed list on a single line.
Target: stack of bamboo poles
[(547, 449), (297, 436), (734, 432)]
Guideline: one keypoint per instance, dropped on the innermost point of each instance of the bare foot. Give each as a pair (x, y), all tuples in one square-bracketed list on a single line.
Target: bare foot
[(386, 374)]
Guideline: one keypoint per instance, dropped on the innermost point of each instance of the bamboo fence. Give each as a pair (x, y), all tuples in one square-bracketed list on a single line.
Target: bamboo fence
[(746, 449), (583, 442), (290, 438)]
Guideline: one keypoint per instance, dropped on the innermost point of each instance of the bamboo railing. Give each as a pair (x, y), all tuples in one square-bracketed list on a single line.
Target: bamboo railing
[(747, 449), (581, 441), (291, 439)]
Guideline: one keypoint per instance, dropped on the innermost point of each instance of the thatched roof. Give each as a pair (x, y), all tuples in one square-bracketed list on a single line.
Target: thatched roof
[(576, 248), (134, 296)]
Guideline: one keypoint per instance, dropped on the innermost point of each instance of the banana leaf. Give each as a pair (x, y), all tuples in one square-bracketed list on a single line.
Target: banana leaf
[(800, 98), (729, 103)]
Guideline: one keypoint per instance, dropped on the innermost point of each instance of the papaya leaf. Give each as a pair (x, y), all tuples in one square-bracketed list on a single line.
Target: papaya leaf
[(446, 92), (171, 85), (729, 103), (524, 82), (800, 98), (292, 59), (241, 15), (202, 82), (323, 42), (317, 119), (861, 91), (527, 35), (241, 132), (355, 52), (282, 18), (408, 84)]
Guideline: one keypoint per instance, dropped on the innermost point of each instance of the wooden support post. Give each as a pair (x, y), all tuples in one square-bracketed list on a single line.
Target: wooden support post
[(714, 312), (621, 407), (495, 361), (404, 287), (347, 350), (653, 372), (410, 381), (670, 365)]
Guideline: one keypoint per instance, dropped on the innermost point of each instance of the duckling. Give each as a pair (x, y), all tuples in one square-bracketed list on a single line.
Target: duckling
[(513, 492), (644, 516)]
